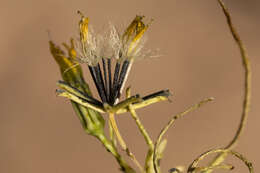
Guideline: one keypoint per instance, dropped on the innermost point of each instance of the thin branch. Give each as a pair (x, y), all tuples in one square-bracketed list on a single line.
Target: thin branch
[(138, 122), (122, 142), (112, 134), (247, 79), (117, 133), (221, 166), (247, 88), (112, 149), (148, 140), (194, 164), (146, 136), (169, 124)]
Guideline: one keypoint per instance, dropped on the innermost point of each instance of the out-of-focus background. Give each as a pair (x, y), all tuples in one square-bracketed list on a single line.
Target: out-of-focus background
[(39, 132)]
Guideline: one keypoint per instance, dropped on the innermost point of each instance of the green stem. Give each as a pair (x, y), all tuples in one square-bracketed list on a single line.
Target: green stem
[(110, 148), (146, 136)]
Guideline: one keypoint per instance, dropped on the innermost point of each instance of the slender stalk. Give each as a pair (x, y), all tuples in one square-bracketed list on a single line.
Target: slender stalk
[(192, 168), (115, 128), (112, 134), (168, 125), (247, 89), (138, 122), (111, 148), (247, 79), (221, 166), (148, 140), (141, 128), (122, 142)]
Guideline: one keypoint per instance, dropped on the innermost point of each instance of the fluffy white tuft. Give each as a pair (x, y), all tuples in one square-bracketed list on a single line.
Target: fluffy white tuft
[(110, 45)]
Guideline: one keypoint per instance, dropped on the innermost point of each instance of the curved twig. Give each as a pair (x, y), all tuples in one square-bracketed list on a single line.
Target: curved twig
[(247, 80), (247, 88), (169, 124), (195, 163)]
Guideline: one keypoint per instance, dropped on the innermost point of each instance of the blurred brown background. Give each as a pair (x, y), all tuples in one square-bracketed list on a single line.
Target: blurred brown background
[(39, 132)]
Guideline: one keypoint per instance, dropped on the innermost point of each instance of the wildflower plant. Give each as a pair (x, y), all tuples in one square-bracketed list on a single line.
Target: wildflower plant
[(109, 58)]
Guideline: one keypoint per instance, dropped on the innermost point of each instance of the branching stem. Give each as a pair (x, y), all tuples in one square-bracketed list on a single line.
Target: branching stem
[(122, 142), (168, 125)]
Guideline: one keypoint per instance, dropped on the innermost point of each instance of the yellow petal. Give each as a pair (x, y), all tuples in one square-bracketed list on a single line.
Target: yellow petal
[(134, 28), (71, 49), (83, 27), (134, 33), (66, 64)]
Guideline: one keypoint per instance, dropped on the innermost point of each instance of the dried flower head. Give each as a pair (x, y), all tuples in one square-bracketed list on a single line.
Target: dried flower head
[(98, 50), (121, 48)]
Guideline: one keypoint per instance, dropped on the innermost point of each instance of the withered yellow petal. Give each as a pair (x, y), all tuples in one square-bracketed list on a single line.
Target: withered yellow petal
[(134, 33), (83, 27), (134, 28), (71, 49), (66, 64)]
